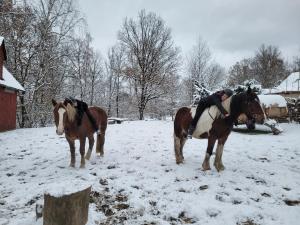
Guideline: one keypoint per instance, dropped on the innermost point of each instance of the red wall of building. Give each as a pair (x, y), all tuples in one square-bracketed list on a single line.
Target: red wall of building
[(1, 61), (8, 110)]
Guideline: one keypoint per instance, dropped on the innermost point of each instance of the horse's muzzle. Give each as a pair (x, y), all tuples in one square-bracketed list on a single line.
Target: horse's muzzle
[(259, 118)]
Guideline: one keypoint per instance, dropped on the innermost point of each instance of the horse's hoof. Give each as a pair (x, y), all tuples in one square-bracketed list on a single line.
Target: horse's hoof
[(72, 164), (219, 167), (82, 166), (179, 162), (99, 152), (205, 167)]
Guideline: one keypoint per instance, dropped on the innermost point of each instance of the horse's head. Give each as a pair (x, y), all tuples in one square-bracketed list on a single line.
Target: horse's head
[(252, 108), (64, 113)]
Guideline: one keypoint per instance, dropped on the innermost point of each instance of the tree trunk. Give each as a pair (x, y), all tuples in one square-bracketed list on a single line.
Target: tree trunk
[(117, 104), (69, 209), (141, 114), (23, 112)]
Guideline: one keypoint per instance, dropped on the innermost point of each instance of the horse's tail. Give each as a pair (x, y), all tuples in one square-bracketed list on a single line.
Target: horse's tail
[(182, 120), (101, 126)]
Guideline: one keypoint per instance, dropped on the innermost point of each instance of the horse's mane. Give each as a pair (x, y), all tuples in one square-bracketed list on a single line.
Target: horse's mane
[(226, 104), (71, 111), (235, 104)]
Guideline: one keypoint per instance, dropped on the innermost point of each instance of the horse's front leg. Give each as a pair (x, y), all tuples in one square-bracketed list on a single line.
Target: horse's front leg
[(72, 151), (91, 144), (218, 160), (219, 152), (209, 150), (82, 151)]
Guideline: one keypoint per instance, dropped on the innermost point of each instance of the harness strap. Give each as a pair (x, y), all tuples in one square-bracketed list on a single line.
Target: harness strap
[(210, 114)]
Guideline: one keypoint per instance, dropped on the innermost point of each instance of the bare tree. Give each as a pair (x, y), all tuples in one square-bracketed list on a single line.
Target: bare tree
[(115, 68), (151, 56), (269, 66), (95, 78), (203, 69), (56, 20), (296, 63), (166, 105), (198, 61), (216, 74), (17, 28), (38, 36), (240, 72)]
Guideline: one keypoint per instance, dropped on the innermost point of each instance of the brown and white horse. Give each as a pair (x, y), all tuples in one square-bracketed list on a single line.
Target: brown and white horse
[(213, 127), (66, 122)]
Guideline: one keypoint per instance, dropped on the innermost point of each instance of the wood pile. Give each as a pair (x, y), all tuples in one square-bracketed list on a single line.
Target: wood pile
[(293, 105)]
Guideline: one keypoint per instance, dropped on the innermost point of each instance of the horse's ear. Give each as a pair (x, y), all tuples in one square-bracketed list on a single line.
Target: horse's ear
[(54, 103), (249, 90)]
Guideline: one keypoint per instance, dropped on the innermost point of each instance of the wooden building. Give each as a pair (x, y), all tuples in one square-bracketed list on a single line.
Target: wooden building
[(9, 89)]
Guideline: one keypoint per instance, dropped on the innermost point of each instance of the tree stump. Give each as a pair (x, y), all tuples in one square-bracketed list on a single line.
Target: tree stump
[(69, 209)]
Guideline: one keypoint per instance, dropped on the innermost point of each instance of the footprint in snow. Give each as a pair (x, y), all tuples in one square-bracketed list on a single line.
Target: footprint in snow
[(236, 201), (213, 212)]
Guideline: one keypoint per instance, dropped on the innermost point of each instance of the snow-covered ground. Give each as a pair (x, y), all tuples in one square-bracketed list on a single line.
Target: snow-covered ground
[(139, 182)]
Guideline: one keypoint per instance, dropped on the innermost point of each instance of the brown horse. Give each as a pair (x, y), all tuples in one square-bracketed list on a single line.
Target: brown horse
[(213, 127), (66, 122)]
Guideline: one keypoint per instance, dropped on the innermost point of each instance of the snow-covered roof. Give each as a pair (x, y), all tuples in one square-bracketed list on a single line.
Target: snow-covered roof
[(266, 91), (272, 100), (9, 81), (291, 83)]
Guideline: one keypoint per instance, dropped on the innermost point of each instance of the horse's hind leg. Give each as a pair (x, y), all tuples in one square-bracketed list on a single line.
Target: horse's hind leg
[(209, 150), (100, 143), (82, 151), (182, 142), (178, 149), (91, 144)]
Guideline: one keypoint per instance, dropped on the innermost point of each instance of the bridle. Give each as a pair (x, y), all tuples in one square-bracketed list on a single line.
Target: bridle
[(249, 114)]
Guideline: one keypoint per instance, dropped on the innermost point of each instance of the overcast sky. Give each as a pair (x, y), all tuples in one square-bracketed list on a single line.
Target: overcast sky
[(233, 29)]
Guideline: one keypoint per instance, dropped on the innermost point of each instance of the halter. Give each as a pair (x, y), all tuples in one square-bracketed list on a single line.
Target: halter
[(251, 119)]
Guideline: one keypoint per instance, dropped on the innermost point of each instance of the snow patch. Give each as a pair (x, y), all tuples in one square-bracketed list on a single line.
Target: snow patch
[(291, 83)]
